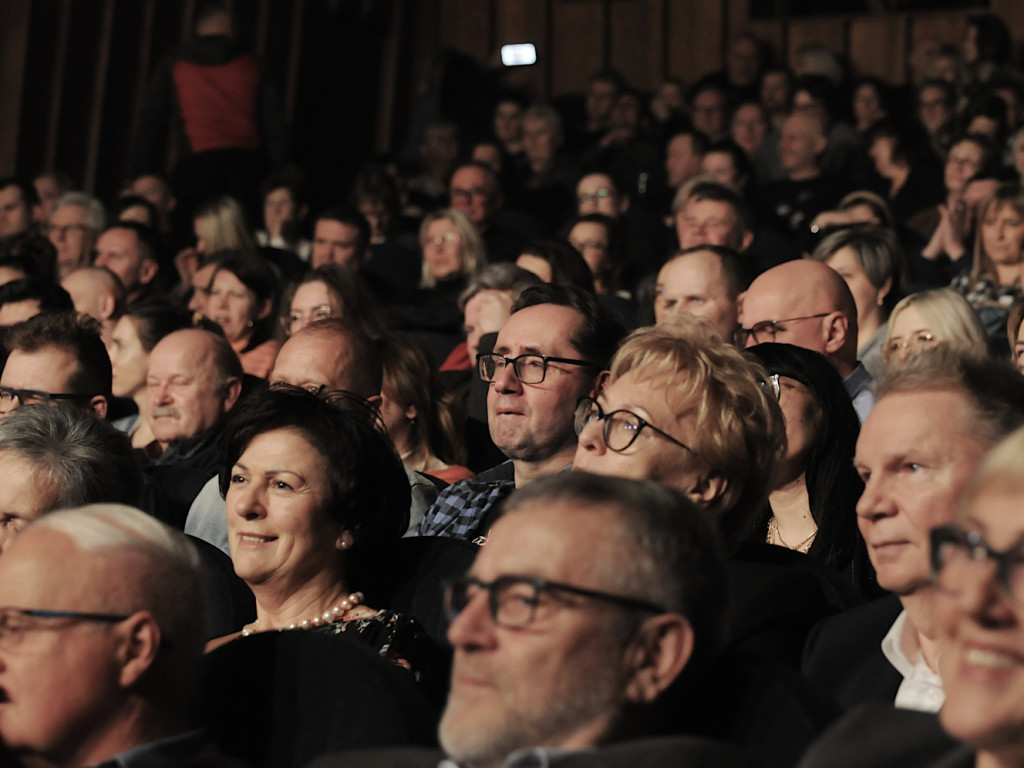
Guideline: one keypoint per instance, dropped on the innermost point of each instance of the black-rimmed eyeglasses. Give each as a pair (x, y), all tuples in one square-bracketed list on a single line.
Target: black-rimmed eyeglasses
[(513, 600), (529, 369), (15, 623), (32, 397), (956, 551), (620, 429), (767, 330)]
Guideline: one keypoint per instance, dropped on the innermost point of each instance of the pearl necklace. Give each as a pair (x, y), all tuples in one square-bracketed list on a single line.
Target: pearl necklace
[(337, 613)]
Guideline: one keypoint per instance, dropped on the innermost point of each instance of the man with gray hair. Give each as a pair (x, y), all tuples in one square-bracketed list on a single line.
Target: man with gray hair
[(74, 225), (110, 680)]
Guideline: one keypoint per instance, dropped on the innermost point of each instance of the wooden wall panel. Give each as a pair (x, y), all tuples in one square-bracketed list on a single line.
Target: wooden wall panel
[(695, 38), (14, 34), (578, 32), (466, 26), (947, 28), (830, 32), (877, 47), (637, 41)]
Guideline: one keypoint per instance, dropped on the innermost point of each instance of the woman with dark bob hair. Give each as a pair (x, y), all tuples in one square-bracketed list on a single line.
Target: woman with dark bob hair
[(243, 302), (812, 504), (315, 494)]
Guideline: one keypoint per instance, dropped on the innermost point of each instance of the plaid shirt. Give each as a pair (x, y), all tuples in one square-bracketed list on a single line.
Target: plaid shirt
[(461, 506)]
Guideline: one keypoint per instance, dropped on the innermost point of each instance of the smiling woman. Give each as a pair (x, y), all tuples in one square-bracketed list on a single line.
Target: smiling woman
[(314, 492)]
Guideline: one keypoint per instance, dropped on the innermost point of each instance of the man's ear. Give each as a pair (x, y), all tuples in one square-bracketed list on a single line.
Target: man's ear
[(147, 271), (746, 240), (602, 381), (657, 654), (107, 306), (707, 487), (98, 405), (232, 391), (835, 327), (139, 642)]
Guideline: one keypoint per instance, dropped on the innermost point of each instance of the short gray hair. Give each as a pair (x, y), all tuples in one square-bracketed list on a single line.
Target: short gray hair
[(96, 215), (503, 276), (82, 459)]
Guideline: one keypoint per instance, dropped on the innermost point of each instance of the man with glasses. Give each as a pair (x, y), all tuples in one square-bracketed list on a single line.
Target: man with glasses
[(102, 628), (935, 418), (547, 356), (56, 358), (76, 220), (808, 304)]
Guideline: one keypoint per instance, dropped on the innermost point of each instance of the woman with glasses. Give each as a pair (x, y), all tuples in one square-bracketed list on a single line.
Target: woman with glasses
[(331, 290), (979, 572), (812, 504), (929, 319), (315, 496)]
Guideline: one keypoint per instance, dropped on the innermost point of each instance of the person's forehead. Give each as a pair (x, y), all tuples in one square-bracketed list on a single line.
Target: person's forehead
[(279, 194), (706, 209), (768, 299), (24, 488), (118, 240), (902, 422), (182, 353), (10, 193), (590, 230), (708, 98), (593, 182), (332, 229), (69, 214), (700, 268), (470, 176), (544, 327), (315, 358), (681, 143), (48, 369), (441, 225)]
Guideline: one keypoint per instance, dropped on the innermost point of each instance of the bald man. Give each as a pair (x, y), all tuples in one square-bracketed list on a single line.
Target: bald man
[(98, 293), (808, 304)]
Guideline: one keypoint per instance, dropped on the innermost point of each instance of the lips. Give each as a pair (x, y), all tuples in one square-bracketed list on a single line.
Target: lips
[(255, 539)]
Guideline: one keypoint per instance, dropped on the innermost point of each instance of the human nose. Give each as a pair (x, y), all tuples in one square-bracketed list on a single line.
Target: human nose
[(505, 379), (979, 593), (474, 625), (591, 437), (875, 502), (247, 502)]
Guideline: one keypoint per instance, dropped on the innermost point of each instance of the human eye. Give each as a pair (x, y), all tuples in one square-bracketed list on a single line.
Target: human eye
[(767, 328), (32, 398), (533, 362), (281, 485), (695, 300), (322, 313), (237, 478)]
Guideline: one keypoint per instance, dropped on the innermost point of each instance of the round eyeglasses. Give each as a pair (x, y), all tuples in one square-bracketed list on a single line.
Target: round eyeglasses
[(620, 429)]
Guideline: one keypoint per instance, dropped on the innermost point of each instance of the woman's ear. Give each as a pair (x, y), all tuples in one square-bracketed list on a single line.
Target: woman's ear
[(706, 487), (345, 540)]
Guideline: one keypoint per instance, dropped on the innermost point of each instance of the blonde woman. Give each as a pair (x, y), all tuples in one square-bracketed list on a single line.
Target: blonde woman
[(928, 319)]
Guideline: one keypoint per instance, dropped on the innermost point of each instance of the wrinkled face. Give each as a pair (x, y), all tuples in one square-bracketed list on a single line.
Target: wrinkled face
[(233, 306), (533, 422), (46, 370), (651, 456), (694, 285), (709, 113), (682, 163), (25, 494), (596, 193), (914, 467), (15, 215), (1002, 233), (866, 296), (71, 235), (591, 239), (278, 528), (62, 679), (316, 361), (118, 250), (964, 161), (129, 361), (800, 144), (442, 249), (278, 208), (556, 682), (183, 393), (312, 301), (720, 167), (748, 127), (932, 109), (335, 242), (472, 194), (708, 222), (981, 634)]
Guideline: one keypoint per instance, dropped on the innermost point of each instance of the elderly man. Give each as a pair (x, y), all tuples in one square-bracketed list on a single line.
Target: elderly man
[(934, 420), (98, 293), (592, 596), (332, 354), (76, 220), (808, 304), (54, 358), (710, 213), (53, 458), (98, 661), (704, 281), (548, 354), (131, 252), (194, 379)]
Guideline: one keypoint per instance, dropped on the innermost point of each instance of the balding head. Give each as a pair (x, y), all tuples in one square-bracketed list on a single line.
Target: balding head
[(96, 292), (810, 306), (330, 354)]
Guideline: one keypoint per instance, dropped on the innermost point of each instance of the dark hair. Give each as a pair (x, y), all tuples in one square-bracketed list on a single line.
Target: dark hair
[(600, 330), (948, 91), (724, 193), (698, 140), (367, 488), (78, 335), (51, 297), (994, 41), (676, 559), (375, 185), (31, 249), (740, 160), (833, 485), (910, 141), (149, 242), (736, 268), (822, 90), (610, 270), (988, 105), (357, 303), (155, 318), (346, 215), (989, 165), (83, 459), (411, 378), (260, 278), (568, 267), (29, 196), (125, 202)]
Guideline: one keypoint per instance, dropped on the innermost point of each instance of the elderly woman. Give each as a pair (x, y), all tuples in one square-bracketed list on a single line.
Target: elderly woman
[(315, 493), (870, 260), (928, 319), (243, 299), (980, 608)]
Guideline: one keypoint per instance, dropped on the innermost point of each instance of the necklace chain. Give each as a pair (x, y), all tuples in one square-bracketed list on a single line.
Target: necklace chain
[(774, 537), (337, 613)]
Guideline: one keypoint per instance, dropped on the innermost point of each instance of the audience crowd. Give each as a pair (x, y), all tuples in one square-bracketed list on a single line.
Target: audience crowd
[(673, 424)]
